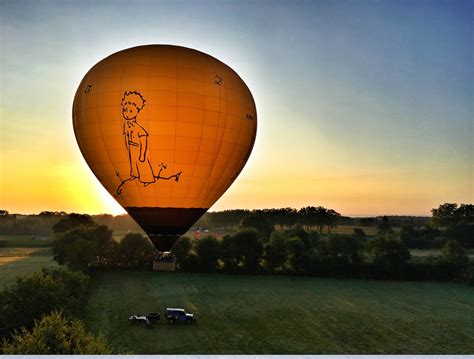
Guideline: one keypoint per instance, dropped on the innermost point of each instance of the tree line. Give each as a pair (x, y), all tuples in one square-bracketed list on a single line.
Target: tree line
[(310, 215), (449, 222), (297, 252), (42, 224), (259, 248), (313, 216)]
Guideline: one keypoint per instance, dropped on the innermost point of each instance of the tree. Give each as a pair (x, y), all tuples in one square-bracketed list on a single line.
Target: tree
[(296, 250), (449, 213), (134, 251), (309, 239), (345, 249), (52, 214), (250, 247), (84, 247), (276, 251), (407, 234), (419, 237), (41, 293), (390, 256), (457, 261), (466, 212), (207, 250), (230, 254), (454, 253), (191, 264), (73, 220), (384, 227), (181, 250), (54, 334), (462, 232), (259, 223), (359, 233), (284, 216), (330, 219), (228, 218), (312, 216), (319, 216), (445, 214), (389, 250), (311, 263)]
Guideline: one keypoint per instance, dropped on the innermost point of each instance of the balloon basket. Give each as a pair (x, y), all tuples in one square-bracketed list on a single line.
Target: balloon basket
[(164, 262)]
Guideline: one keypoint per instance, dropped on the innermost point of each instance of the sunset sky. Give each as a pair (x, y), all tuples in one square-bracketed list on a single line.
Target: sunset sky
[(365, 107)]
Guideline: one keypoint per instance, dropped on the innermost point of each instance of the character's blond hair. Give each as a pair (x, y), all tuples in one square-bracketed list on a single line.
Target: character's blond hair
[(133, 97)]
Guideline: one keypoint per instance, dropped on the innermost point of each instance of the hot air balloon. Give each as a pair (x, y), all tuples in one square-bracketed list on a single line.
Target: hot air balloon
[(166, 129)]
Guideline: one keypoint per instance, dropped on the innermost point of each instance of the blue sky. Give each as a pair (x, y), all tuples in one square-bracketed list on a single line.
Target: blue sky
[(363, 106)]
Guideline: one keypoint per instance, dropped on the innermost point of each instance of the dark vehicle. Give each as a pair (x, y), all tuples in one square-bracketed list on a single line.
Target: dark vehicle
[(149, 319), (153, 316), (179, 315)]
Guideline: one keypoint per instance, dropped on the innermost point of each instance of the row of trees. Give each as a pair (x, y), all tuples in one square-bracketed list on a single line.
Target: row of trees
[(85, 248), (43, 223), (317, 217), (287, 217), (444, 216), (449, 222), (38, 315), (83, 244), (450, 213), (296, 251)]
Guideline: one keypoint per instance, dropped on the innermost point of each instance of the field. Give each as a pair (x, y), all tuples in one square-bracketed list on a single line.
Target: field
[(23, 241), (369, 231), (22, 261), (219, 233), (279, 314)]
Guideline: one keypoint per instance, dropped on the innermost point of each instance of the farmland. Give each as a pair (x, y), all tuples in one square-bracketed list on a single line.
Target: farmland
[(22, 261), (24, 241), (282, 314), (266, 314)]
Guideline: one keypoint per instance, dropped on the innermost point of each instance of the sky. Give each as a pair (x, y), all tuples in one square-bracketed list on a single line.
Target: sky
[(365, 107)]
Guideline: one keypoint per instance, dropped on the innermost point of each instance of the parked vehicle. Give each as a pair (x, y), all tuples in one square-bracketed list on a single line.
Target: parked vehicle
[(179, 315), (153, 316), (149, 319)]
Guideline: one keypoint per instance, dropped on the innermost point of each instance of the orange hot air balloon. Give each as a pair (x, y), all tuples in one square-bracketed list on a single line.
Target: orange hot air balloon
[(166, 129)]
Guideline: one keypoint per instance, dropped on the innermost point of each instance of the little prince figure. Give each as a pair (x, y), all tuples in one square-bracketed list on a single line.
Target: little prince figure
[(136, 138)]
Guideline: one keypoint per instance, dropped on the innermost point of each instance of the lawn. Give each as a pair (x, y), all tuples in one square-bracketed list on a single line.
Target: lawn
[(281, 314), (425, 252), (369, 231), (24, 241), (22, 261)]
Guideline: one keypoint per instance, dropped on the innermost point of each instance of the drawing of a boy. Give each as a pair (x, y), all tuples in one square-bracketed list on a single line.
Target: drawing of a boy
[(136, 138)]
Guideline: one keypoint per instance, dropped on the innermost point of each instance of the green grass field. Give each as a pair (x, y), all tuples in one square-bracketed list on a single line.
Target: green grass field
[(369, 231), (425, 252), (24, 241), (218, 233), (280, 314), (22, 261)]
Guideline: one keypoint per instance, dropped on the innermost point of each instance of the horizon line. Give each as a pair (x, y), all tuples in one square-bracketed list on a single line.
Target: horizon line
[(237, 209)]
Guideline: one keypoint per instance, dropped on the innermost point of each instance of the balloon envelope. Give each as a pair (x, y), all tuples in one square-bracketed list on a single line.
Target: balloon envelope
[(166, 130)]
